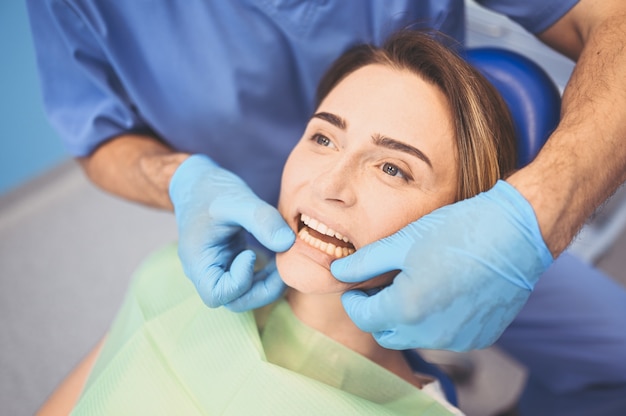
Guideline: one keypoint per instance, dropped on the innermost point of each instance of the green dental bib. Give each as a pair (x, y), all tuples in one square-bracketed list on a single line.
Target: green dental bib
[(169, 354)]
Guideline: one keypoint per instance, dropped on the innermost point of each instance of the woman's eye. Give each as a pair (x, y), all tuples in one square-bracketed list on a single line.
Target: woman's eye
[(322, 140), (392, 170)]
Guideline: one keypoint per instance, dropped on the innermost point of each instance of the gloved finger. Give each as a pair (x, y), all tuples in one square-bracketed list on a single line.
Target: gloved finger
[(371, 313), (398, 337), (209, 253), (440, 332), (218, 287), (369, 261), (267, 287), (388, 339), (260, 219)]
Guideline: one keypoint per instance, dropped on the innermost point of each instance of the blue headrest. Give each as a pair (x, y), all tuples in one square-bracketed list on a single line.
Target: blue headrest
[(533, 99)]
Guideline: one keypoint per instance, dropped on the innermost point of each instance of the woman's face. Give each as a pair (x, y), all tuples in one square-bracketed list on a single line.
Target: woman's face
[(378, 154)]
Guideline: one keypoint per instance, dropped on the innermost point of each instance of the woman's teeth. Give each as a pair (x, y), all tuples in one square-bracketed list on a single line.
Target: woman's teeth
[(327, 247), (321, 228)]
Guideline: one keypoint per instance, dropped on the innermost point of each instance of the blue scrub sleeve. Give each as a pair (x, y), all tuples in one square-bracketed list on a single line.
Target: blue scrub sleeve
[(83, 98), (534, 15)]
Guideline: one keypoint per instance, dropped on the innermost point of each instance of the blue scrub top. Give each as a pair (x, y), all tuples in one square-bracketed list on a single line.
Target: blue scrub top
[(234, 80)]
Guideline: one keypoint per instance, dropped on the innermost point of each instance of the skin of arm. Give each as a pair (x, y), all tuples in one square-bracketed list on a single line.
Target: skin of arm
[(64, 398), (584, 160), (137, 168)]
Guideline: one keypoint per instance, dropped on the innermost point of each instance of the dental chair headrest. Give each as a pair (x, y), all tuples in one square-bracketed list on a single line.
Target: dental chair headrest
[(533, 99)]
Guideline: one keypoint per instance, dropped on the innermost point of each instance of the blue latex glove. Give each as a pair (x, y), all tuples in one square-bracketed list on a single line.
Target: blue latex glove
[(214, 208), (465, 272)]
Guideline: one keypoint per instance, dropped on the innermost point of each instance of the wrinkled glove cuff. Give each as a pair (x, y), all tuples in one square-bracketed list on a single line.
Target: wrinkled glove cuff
[(524, 215), (182, 178)]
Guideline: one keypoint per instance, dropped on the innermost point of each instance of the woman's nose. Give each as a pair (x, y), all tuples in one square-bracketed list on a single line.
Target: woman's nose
[(337, 184)]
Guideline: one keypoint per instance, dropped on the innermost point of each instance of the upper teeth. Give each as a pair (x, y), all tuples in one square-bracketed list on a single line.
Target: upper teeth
[(322, 228)]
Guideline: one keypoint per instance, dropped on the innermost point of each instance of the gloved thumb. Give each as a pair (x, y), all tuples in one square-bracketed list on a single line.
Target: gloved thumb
[(269, 228), (369, 261)]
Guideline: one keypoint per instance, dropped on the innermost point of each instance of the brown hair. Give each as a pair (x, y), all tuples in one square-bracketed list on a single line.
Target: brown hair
[(484, 133)]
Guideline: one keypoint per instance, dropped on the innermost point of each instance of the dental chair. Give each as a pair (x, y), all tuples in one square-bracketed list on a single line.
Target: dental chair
[(531, 95), (535, 104)]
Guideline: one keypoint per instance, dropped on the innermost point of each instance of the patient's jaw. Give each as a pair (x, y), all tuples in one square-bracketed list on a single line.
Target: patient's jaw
[(378, 154)]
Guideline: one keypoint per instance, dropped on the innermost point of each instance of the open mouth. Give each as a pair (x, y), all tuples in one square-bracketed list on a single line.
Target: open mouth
[(323, 238)]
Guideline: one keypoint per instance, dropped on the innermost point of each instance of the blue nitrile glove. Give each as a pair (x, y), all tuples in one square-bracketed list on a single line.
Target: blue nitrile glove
[(213, 209), (465, 272)]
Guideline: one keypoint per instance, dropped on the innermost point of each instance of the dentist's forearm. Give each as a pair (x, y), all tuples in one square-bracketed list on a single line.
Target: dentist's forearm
[(136, 168), (584, 161)]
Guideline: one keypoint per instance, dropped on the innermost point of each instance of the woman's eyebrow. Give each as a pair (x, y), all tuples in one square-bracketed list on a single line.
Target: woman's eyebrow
[(403, 147), (333, 119)]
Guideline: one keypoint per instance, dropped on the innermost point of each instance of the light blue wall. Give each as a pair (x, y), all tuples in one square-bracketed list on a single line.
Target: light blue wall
[(28, 145)]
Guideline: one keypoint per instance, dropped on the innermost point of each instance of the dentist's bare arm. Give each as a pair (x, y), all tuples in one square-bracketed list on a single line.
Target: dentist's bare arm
[(584, 160), (136, 168), (66, 395)]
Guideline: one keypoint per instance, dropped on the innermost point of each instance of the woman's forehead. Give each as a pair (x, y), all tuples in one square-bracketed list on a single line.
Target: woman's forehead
[(390, 102)]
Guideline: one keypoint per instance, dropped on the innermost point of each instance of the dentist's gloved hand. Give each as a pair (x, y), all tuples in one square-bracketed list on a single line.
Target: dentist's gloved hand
[(465, 272), (213, 209)]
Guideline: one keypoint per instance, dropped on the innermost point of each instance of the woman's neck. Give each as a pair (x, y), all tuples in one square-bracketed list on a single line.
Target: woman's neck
[(325, 313)]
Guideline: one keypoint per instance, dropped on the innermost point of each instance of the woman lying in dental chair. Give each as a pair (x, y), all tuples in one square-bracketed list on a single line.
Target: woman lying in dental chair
[(399, 131)]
